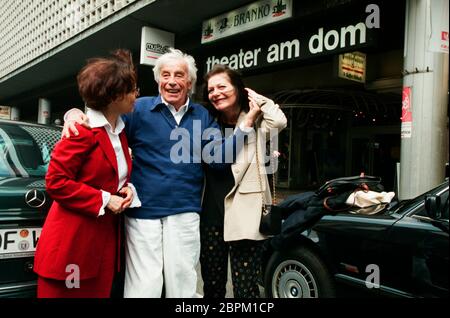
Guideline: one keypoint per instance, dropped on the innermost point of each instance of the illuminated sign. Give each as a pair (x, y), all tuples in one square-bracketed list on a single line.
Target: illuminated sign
[(352, 66)]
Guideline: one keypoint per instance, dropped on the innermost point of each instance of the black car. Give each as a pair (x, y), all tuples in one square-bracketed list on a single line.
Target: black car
[(24, 157), (402, 251)]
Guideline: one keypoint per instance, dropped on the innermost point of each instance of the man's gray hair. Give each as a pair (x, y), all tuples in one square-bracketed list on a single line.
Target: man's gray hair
[(175, 54)]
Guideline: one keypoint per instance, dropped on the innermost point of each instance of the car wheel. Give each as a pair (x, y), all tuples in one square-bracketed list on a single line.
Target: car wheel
[(298, 273)]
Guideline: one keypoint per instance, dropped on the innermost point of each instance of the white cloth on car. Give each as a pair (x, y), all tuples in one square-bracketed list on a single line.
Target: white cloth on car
[(369, 202), (364, 199)]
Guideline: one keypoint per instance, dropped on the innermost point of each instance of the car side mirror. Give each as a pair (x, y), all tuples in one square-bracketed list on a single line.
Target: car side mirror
[(432, 206)]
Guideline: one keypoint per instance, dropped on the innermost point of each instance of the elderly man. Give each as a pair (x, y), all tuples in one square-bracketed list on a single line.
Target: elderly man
[(162, 236)]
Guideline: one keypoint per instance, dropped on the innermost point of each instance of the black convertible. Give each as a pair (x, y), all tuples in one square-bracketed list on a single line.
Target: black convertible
[(402, 251)]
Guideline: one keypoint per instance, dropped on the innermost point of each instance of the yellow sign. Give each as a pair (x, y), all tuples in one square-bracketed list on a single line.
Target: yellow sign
[(352, 66), (5, 112)]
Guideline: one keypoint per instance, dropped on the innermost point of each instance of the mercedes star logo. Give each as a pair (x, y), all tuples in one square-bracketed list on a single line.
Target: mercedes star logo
[(35, 198)]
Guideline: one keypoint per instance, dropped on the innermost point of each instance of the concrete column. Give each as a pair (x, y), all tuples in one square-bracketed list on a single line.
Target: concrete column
[(44, 111), (423, 146), (15, 113)]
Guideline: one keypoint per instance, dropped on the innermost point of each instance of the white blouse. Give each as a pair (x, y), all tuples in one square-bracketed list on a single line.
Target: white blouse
[(97, 119)]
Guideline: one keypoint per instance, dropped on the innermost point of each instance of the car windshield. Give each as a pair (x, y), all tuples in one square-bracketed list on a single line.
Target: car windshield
[(25, 149), (405, 205)]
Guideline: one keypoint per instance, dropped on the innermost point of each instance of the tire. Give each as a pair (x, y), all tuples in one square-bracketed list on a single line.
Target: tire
[(298, 273)]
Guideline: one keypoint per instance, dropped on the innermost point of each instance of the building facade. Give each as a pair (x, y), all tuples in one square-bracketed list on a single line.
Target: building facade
[(335, 67)]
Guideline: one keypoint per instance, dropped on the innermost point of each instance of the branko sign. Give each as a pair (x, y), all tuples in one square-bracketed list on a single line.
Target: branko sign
[(246, 18)]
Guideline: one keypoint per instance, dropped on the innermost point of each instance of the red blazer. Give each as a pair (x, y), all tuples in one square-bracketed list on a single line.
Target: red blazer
[(73, 232)]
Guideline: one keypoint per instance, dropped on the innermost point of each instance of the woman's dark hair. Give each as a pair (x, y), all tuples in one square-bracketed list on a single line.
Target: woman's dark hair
[(103, 80), (236, 81)]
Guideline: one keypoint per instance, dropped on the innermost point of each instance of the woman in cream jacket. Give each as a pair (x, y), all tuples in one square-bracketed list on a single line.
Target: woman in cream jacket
[(233, 197)]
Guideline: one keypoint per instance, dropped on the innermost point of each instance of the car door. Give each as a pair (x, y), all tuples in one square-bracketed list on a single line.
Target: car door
[(355, 244), (419, 252)]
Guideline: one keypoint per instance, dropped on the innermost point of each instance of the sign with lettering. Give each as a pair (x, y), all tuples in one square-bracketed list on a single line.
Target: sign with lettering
[(352, 66), (321, 42), (406, 128), (438, 40), (246, 18), (5, 112), (154, 43)]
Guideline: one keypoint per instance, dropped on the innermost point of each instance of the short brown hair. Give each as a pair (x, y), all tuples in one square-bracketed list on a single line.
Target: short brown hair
[(103, 80)]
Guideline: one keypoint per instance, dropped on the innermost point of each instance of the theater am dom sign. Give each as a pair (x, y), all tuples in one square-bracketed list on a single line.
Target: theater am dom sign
[(323, 41)]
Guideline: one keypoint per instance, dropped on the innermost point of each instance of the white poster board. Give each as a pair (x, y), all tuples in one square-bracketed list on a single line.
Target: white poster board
[(154, 43)]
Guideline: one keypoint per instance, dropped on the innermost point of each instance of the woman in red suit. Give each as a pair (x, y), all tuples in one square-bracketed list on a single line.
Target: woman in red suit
[(77, 253)]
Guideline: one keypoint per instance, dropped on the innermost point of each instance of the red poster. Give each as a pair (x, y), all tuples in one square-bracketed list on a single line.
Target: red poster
[(406, 105), (406, 130)]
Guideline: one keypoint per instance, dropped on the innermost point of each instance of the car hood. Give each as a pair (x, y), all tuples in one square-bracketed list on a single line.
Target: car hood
[(13, 194)]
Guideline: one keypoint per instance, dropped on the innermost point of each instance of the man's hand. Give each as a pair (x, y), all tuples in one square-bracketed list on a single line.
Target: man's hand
[(115, 204), (74, 116)]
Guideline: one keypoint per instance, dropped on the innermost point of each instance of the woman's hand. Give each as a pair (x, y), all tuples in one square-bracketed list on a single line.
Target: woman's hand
[(127, 195), (115, 204), (258, 98), (74, 117), (255, 103)]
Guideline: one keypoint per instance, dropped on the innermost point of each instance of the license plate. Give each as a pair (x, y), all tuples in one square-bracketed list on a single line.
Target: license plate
[(18, 242)]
